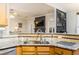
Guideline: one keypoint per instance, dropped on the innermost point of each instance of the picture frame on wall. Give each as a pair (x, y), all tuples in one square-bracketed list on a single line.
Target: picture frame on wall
[(19, 25)]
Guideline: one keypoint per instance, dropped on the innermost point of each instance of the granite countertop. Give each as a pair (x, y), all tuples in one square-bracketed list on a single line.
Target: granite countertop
[(75, 47), (66, 34), (70, 34), (13, 43)]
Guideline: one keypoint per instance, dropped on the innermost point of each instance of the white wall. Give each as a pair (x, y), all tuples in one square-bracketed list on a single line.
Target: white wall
[(71, 22), (12, 23), (58, 6), (77, 24), (28, 24), (48, 21), (71, 17)]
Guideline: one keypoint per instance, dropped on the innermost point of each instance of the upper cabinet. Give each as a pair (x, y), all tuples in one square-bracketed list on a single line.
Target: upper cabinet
[(3, 15)]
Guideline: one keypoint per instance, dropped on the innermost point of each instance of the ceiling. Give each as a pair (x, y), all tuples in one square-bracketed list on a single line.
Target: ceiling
[(30, 9), (35, 9), (68, 6)]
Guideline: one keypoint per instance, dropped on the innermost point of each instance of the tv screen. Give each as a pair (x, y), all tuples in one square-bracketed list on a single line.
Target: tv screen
[(40, 21)]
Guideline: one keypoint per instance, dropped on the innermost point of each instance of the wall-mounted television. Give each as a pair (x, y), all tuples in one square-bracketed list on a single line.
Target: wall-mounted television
[(40, 23)]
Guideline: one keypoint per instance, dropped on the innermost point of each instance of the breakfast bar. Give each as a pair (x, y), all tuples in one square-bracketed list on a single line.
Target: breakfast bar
[(42, 44), (44, 50)]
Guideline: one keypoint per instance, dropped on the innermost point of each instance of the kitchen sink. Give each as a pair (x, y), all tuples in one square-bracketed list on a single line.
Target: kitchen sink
[(66, 43)]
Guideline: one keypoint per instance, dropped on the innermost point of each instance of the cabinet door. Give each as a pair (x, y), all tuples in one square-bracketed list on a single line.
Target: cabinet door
[(52, 50), (66, 52), (25, 48), (28, 50), (43, 50), (3, 14), (18, 50), (60, 51)]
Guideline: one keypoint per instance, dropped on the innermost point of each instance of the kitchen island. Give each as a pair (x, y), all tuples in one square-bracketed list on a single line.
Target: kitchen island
[(35, 44), (44, 50)]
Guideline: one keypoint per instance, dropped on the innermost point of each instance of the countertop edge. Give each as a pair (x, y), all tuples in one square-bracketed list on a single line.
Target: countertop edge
[(37, 45)]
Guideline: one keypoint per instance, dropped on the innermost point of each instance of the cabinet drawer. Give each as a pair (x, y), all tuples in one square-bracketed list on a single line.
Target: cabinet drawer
[(28, 53), (67, 52), (28, 48), (43, 53), (61, 51), (43, 49), (58, 51)]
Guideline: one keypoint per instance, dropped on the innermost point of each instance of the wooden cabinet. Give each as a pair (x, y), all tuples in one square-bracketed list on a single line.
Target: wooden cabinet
[(43, 50), (24, 48), (18, 50), (28, 50), (3, 15), (33, 50), (52, 50), (61, 51)]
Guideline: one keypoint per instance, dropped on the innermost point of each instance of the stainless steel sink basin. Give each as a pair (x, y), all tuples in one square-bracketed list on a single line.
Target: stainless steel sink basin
[(66, 43)]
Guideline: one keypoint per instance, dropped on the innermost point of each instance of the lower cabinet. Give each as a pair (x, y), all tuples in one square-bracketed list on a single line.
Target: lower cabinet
[(43, 50), (33, 50), (52, 50), (61, 51), (28, 50), (18, 50)]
